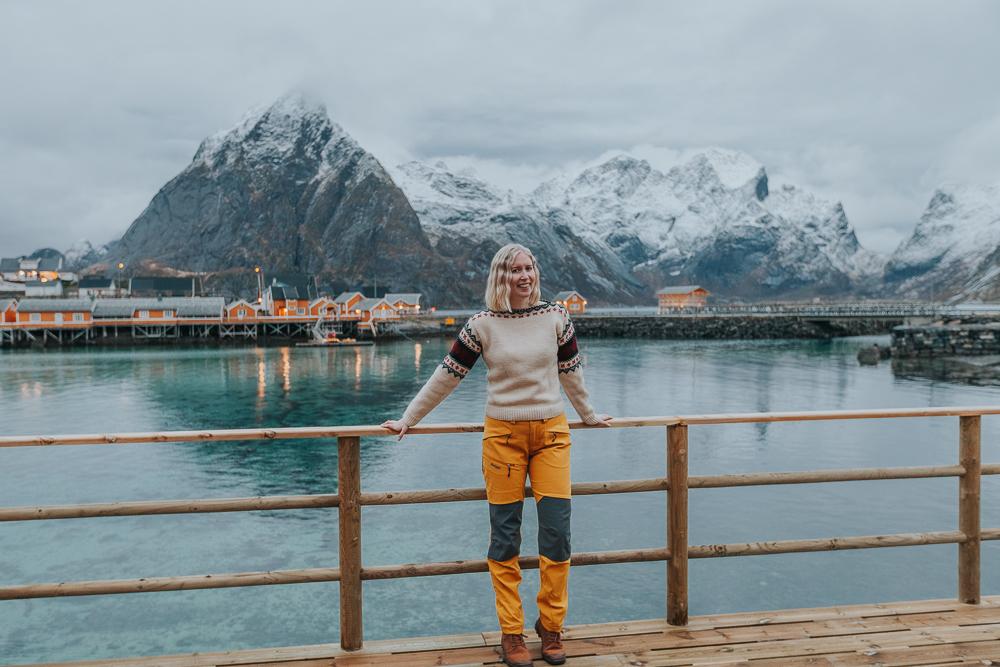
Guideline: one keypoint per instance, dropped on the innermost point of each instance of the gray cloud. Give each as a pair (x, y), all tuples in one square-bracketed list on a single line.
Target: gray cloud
[(870, 103)]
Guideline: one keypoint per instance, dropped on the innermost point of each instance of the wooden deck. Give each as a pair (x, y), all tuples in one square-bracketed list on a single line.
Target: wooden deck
[(942, 632)]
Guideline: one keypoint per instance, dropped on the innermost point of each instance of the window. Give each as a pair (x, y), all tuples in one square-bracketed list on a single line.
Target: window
[(143, 314), (241, 313), (59, 317), (302, 311), (36, 317), (78, 317)]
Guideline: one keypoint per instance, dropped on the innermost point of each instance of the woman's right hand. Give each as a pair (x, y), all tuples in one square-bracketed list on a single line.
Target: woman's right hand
[(396, 426)]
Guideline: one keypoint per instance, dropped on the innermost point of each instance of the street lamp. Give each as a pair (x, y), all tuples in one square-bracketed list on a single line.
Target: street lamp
[(260, 284), (118, 283)]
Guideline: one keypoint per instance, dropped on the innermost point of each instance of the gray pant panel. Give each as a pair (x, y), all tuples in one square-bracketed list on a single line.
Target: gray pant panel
[(505, 530), (553, 528)]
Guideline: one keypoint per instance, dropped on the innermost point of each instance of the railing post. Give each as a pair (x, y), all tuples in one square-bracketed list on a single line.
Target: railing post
[(677, 524), (968, 509), (349, 490)]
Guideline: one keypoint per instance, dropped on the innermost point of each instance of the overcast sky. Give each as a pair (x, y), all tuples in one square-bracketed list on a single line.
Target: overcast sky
[(870, 103)]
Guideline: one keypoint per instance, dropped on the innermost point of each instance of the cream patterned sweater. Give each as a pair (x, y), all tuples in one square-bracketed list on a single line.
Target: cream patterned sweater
[(528, 353)]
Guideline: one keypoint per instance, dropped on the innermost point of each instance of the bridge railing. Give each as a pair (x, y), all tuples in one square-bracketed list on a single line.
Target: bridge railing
[(349, 500)]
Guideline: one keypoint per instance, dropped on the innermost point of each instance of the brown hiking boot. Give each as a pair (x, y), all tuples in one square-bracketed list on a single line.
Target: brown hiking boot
[(514, 652), (552, 648)]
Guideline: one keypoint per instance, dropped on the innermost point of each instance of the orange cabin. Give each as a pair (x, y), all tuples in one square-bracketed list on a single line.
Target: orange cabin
[(376, 309), (323, 307), (53, 311), (684, 296), (8, 311), (241, 310), (347, 303), (573, 301)]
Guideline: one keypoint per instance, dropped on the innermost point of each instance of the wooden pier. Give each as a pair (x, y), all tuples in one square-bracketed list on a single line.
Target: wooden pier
[(965, 630)]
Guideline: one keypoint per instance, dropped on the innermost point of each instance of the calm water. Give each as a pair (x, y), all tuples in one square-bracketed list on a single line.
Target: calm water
[(150, 389)]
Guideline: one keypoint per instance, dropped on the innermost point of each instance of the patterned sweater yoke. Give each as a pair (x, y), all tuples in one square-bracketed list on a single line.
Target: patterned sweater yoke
[(528, 353)]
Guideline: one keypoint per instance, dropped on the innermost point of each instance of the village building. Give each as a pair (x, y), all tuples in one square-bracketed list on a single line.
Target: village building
[(23, 269), (324, 307), (405, 303), (347, 304), (96, 286), (54, 311), (374, 310), (682, 296), (156, 286), (43, 288), (8, 310), (166, 308), (241, 310), (11, 289), (573, 301), (285, 301)]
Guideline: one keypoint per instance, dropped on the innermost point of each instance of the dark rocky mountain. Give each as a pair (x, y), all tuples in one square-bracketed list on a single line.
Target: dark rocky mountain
[(290, 191)]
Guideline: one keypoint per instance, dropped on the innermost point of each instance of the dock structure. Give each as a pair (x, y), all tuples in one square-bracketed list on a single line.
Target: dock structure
[(965, 630), (68, 321)]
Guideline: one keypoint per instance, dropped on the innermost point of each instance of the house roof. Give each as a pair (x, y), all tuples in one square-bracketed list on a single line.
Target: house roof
[(322, 298), (42, 283), (344, 297), (303, 283), (284, 293), (10, 264), (161, 284), (562, 296), (53, 305), (6, 303), (680, 289), (88, 282), (406, 297), (196, 306), (49, 264), (371, 302), (7, 287)]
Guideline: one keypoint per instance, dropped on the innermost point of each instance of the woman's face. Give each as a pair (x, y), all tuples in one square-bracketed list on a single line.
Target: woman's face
[(522, 278)]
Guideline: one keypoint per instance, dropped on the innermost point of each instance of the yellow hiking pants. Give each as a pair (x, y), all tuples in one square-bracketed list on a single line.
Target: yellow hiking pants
[(512, 451)]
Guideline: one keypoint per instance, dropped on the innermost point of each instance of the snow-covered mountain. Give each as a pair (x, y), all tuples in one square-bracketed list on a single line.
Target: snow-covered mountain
[(954, 250), (712, 220), (82, 254), (291, 191)]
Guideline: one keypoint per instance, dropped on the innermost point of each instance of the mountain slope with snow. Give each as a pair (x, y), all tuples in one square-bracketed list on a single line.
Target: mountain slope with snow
[(712, 220), (954, 249)]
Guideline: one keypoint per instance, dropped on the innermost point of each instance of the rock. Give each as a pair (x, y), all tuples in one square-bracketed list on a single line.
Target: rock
[(869, 356)]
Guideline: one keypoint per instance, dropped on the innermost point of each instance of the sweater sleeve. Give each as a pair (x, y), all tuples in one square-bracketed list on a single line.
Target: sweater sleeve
[(571, 371), (464, 353)]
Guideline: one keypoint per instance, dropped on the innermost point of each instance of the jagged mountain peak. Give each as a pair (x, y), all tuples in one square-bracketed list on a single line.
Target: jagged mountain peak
[(293, 124)]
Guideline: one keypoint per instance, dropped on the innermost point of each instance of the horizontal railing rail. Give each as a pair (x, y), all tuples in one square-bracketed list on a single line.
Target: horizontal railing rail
[(676, 483)]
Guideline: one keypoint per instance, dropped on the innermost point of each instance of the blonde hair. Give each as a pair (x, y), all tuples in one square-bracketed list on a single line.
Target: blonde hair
[(498, 283)]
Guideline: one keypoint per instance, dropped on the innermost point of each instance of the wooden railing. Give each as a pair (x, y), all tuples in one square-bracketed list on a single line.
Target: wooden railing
[(349, 500)]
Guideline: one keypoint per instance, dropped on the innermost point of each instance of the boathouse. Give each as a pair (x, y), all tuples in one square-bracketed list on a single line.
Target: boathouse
[(96, 286), (196, 308), (347, 304), (573, 301), (8, 310), (54, 311), (323, 307), (405, 303), (285, 301), (682, 296), (373, 311), (241, 310)]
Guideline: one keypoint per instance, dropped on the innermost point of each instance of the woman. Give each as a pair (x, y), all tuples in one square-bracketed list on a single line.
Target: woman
[(530, 349)]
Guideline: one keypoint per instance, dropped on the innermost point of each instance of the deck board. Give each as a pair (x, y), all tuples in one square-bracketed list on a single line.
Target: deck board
[(909, 634)]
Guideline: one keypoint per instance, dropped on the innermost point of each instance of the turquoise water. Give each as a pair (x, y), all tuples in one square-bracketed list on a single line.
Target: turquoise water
[(154, 389)]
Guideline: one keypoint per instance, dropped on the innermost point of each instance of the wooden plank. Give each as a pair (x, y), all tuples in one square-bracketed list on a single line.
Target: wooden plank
[(968, 509), (150, 507), (349, 489), (361, 431), (677, 526), (824, 544)]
